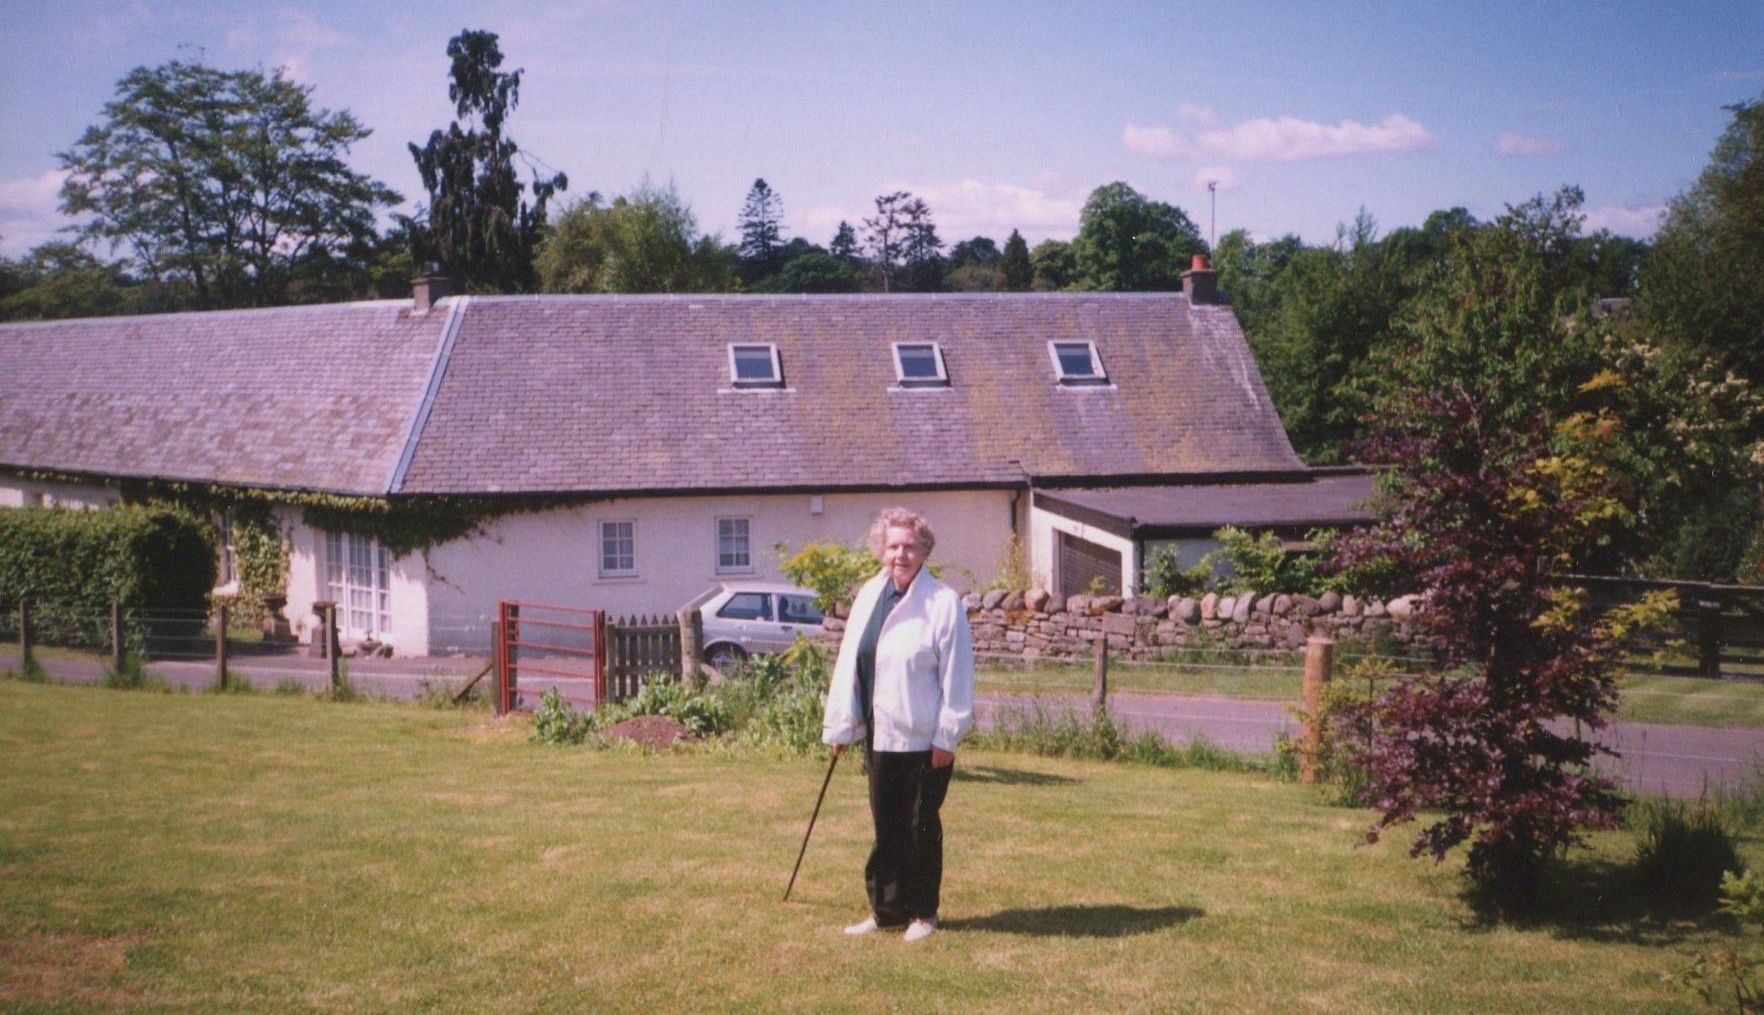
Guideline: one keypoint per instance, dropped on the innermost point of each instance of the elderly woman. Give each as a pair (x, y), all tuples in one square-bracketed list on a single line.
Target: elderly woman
[(904, 684)]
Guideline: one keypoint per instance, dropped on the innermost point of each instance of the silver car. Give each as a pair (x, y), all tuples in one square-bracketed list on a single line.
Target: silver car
[(754, 618)]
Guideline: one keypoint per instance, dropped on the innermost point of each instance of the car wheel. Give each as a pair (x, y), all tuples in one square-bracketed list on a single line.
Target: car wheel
[(724, 658)]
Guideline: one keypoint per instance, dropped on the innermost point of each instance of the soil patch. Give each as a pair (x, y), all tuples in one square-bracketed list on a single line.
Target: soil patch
[(657, 731)]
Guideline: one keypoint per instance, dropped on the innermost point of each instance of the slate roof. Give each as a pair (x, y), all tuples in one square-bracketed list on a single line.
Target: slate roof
[(633, 394), (1327, 499), (316, 398), (629, 394)]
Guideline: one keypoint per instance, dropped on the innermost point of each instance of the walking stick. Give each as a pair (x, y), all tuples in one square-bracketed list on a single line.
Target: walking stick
[(811, 828)]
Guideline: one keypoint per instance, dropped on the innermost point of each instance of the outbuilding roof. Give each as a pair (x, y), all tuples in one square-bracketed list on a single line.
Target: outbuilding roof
[(1326, 499), (626, 394)]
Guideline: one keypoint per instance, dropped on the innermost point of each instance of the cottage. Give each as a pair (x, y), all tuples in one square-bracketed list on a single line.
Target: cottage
[(634, 449)]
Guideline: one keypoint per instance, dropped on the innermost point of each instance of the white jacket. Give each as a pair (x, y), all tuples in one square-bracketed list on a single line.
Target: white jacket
[(924, 693)]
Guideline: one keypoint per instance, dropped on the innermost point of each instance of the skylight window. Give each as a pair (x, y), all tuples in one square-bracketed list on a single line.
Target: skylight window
[(1077, 363), (919, 365), (755, 366)]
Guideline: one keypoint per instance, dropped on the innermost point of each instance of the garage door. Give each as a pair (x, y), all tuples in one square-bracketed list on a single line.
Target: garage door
[(1083, 562)]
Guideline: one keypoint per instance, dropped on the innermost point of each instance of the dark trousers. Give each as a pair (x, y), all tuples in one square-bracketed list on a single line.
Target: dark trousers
[(905, 872)]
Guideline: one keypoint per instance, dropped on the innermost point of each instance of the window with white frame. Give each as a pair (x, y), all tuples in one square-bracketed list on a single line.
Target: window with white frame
[(358, 578), (755, 366), (733, 549), (618, 549), (1076, 362), (229, 558), (919, 365)]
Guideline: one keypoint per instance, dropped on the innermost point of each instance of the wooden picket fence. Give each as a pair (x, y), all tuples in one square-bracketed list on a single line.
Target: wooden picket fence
[(636, 646)]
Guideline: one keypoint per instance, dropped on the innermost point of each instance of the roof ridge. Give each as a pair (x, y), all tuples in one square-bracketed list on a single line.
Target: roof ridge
[(209, 315)]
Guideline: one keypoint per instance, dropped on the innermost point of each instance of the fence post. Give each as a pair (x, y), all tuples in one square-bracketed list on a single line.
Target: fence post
[(1709, 639), (116, 637), (1099, 691), (24, 631), (692, 647), (1319, 654), (333, 645), (220, 646)]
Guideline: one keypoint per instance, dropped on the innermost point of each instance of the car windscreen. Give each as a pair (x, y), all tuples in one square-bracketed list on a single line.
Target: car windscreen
[(798, 610), (747, 606)]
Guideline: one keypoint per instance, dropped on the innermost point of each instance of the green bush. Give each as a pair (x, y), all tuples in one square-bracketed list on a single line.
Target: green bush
[(1682, 852), (1165, 577), (831, 570), (74, 564), (788, 695), (555, 722)]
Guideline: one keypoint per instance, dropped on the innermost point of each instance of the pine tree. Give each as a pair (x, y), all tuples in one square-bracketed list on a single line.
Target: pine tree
[(1018, 272), (845, 243), (762, 236)]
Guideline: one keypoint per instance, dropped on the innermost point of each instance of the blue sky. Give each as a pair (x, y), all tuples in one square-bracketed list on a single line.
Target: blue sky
[(1000, 115)]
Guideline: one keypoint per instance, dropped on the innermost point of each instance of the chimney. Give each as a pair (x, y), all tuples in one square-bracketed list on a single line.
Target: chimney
[(427, 290), (1200, 283)]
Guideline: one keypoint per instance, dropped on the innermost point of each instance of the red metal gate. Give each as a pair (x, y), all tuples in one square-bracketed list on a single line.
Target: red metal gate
[(558, 646)]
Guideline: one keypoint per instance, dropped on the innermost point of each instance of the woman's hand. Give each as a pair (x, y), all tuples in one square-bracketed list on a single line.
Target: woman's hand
[(941, 758)]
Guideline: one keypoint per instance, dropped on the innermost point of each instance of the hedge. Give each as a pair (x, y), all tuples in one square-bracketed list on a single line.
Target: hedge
[(75, 564)]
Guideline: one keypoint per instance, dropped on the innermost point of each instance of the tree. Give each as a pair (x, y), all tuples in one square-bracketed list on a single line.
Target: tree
[(1494, 518), (228, 184), (814, 272), (762, 235), (1052, 261), (1018, 274), (980, 250), (924, 267), (478, 226), (644, 242), (1128, 243), (845, 244), (886, 238), (1703, 282), (60, 280)]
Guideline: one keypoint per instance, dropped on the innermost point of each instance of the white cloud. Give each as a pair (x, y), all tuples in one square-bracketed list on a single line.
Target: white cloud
[(113, 26), (293, 38), (1639, 223), (1222, 175), (1189, 112), (1156, 142), (29, 212), (1519, 145), (1290, 139)]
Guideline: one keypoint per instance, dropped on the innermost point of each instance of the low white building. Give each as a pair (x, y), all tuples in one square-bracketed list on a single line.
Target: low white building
[(625, 452)]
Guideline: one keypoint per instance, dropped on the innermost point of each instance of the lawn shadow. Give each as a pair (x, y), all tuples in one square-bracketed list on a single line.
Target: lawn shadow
[(1595, 900), (1078, 921), (1009, 776)]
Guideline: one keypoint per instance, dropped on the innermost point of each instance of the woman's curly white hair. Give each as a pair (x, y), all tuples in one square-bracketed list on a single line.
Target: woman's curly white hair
[(901, 518)]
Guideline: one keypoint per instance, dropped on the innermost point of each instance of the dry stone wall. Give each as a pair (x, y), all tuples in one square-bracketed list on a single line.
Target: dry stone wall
[(1037, 624)]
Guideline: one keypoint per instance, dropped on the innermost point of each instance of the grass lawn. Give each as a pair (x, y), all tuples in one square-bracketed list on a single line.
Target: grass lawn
[(253, 852), (1688, 701)]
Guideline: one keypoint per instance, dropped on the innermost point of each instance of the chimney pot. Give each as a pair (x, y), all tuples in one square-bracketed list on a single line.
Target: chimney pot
[(1200, 283), (427, 290)]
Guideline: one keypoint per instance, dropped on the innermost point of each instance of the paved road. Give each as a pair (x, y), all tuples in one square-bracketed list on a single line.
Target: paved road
[(1680, 761)]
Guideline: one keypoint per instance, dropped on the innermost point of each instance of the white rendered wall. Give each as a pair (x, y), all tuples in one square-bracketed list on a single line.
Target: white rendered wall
[(19, 492), (408, 614), (1044, 552), (554, 556)]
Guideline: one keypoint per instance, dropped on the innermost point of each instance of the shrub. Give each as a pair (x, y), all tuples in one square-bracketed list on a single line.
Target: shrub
[(703, 715), (1013, 567), (788, 693), (1682, 852), (555, 722), (74, 564), (1726, 978), (1344, 730), (1165, 577), (831, 570)]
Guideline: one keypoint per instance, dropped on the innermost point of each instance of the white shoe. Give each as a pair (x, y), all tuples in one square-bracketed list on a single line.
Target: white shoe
[(862, 927), (919, 930)]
